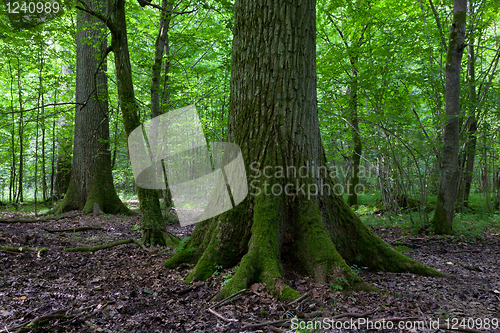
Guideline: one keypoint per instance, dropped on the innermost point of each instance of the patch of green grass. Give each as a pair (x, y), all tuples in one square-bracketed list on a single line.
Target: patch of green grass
[(403, 249), (27, 207), (467, 226), (387, 220), (474, 226), (339, 284)]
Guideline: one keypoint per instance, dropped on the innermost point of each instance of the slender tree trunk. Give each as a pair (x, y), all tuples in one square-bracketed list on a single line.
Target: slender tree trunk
[(12, 182), (445, 205), (470, 146), (44, 171), (487, 187), (152, 226), (352, 198), (91, 180), (161, 45), (19, 197), (39, 103), (290, 215), (497, 200)]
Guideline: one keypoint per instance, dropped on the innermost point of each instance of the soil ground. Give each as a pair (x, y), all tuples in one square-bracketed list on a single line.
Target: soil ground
[(127, 289)]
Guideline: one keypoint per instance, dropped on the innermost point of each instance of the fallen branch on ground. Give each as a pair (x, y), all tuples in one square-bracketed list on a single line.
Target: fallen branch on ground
[(36, 220), (196, 286), (299, 299), (99, 247), (73, 229), (228, 299), (275, 329), (22, 249), (60, 314), (221, 317), (30, 324), (73, 249)]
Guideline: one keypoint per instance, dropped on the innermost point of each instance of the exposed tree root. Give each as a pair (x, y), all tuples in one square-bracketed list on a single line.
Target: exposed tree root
[(101, 247), (73, 229), (319, 243), (158, 237)]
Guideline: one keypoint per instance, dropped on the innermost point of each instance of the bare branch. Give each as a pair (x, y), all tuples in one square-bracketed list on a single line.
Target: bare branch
[(147, 3)]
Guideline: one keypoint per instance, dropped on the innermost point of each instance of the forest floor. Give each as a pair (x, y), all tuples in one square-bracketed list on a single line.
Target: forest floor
[(126, 288)]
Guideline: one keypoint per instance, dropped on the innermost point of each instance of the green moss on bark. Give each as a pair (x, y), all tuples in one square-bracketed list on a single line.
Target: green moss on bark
[(313, 248), (263, 260), (357, 244), (153, 228)]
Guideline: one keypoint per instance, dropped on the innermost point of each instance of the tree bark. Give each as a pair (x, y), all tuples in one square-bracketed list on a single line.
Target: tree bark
[(289, 217), (19, 197), (445, 205), (161, 45), (62, 168), (469, 153), (352, 198), (497, 200), (153, 226), (91, 179)]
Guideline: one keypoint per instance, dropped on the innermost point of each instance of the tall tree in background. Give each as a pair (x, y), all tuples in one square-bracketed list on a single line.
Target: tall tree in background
[(152, 226), (162, 48), (91, 179), (273, 117), (469, 151), (445, 205)]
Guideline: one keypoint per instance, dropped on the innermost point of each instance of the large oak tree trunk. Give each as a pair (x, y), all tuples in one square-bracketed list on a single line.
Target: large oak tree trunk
[(445, 205), (91, 180), (288, 217)]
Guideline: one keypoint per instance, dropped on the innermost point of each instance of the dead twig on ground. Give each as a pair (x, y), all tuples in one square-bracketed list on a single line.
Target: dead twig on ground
[(299, 299), (228, 299), (275, 329), (186, 290), (77, 229), (98, 247), (221, 317)]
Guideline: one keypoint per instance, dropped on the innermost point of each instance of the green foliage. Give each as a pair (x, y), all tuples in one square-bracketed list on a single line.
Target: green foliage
[(339, 284), (182, 245), (403, 249)]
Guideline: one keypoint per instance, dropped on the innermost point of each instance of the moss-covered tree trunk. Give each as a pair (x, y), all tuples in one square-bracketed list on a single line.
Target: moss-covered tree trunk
[(91, 180), (161, 49), (152, 226), (291, 214), (447, 195)]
